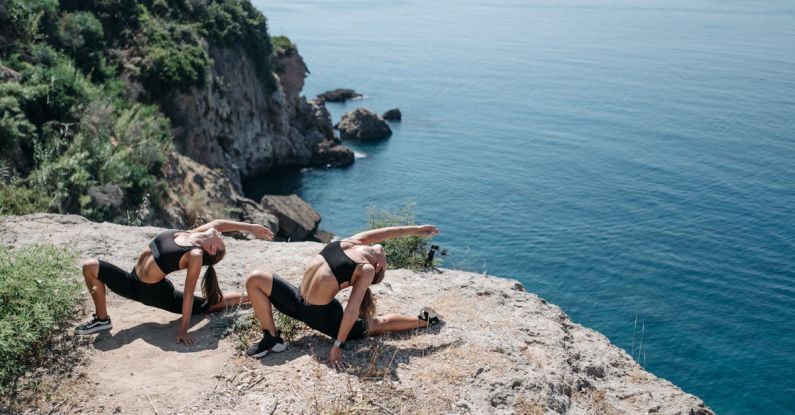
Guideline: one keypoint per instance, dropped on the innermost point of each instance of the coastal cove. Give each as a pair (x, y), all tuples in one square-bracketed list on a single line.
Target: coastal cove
[(620, 161)]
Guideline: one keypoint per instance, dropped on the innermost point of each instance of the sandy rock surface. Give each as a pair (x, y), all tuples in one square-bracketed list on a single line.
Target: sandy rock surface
[(500, 351)]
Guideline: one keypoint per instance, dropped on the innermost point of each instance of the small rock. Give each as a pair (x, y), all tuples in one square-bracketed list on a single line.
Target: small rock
[(363, 124), (393, 115), (107, 196), (463, 404), (595, 371), (339, 95)]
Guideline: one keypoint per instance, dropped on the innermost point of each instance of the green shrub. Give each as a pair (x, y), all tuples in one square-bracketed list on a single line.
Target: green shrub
[(175, 57), (82, 36), (16, 132), (32, 19), (38, 297), (18, 198), (283, 44), (407, 251), (52, 88)]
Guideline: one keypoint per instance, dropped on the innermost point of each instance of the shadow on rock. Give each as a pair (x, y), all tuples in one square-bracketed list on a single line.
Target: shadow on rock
[(373, 358), (162, 335)]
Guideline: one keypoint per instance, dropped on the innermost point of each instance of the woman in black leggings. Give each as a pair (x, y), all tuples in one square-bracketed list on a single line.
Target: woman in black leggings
[(170, 251), (347, 263)]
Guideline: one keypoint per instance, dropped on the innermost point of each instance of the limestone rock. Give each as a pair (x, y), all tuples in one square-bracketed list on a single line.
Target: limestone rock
[(339, 95), (239, 125), (197, 194), (505, 353), (297, 220), (393, 115), (363, 124)]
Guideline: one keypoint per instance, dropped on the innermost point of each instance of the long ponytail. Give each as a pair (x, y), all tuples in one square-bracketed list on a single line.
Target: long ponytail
[(211, 291), (367, 307)]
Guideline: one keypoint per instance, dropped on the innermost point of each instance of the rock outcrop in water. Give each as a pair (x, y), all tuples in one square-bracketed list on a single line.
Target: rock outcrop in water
[(500, 351), (363, 124), (393, 115), (339, 95)]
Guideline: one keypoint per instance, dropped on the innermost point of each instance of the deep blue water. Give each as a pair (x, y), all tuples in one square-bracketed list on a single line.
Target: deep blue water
[(620, 158)]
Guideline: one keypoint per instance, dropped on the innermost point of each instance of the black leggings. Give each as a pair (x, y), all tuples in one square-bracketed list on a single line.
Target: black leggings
[(325, 318), (160, 295)]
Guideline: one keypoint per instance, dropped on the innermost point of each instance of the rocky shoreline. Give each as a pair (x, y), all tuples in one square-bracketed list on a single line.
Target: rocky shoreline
[(501, 350)]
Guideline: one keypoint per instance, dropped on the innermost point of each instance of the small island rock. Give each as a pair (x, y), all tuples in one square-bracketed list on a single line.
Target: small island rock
[(339, 95), (363, 124), (393, 115)]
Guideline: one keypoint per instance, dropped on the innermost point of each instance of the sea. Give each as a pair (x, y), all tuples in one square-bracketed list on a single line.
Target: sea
[(630, 161)]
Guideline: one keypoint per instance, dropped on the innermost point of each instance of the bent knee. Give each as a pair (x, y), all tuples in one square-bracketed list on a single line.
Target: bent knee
[(259, 279), (91, 267)]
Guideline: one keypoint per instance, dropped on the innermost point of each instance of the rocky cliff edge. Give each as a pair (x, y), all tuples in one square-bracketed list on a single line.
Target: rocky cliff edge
[(501, 350)]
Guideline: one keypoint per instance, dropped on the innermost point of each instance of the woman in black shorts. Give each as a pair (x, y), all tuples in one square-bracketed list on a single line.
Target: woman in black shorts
[(147, 283), (347, 263)]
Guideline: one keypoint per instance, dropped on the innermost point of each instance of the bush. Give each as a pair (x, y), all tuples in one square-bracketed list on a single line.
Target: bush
[(31, 19), (175, 57), (283, 44), (38, 297), (82, 36), (407, 251), (19, 198)]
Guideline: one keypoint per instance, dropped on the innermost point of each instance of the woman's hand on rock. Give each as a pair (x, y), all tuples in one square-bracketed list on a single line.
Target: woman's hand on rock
[(186, 338), (335, 359)]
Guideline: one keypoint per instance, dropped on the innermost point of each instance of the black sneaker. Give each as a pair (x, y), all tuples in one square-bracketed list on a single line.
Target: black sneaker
[(430, 315), (267, 344), (94, 325)]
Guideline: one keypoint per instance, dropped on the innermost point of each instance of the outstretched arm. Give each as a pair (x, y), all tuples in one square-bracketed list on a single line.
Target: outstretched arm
[(377, 235), (223, 225)]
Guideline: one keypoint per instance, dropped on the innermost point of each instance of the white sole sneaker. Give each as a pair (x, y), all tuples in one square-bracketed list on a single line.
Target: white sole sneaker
[(277, 348), (94, 329), (430, 315)]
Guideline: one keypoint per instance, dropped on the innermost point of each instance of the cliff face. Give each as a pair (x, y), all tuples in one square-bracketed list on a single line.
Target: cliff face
[(501, 350), (238, 125)]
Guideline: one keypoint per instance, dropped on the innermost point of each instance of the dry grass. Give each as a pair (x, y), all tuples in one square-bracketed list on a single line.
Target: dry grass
[(527, 405)]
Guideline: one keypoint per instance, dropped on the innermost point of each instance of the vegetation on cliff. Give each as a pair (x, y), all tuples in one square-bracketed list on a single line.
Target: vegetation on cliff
[(38, 295), (80, 87)]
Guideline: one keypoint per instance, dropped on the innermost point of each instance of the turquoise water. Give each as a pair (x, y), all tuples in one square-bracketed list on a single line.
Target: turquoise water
[(621, 159)]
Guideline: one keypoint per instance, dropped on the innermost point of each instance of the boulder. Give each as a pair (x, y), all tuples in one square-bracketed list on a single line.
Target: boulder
[(339, 95), (393, 115), (330, 153), (108, 196), (363, 124), (297, 220)]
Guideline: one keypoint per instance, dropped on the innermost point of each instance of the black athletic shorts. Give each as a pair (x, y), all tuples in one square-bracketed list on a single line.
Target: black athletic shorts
[(325, 318), (160, 295)]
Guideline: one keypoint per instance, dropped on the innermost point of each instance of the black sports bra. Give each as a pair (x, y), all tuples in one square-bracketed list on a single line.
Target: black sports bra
[(341, 265), (166, 252)]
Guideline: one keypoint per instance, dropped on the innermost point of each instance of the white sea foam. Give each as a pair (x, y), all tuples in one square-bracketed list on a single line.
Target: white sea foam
[(359, 155)]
